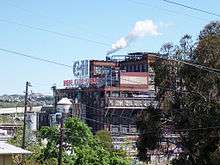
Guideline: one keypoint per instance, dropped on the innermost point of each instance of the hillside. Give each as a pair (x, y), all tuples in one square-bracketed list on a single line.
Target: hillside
[(34, 99)]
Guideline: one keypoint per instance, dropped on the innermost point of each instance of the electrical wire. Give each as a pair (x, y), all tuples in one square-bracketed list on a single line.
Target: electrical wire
[(155, 131), (202, 67), (56, 33), (53, 62), (95, 108), (131, 119), (192, 8), (65, 65), (148, 132), (34, 58), (212, 70), (215, 71), (170, 12), (42, 15), (176, 130)]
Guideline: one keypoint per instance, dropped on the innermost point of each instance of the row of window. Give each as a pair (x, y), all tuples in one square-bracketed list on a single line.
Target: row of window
[(136, 68)]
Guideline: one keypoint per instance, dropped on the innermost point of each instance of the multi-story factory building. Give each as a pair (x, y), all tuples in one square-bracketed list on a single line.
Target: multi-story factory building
[(115, 91)]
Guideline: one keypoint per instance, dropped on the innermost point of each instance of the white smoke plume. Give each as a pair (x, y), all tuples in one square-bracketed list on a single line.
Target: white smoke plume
[(140, 29)]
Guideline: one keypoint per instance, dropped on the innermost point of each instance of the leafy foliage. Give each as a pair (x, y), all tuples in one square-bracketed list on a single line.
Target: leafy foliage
[(105, 140), (211, 29), (189, 97), (149, 125), (80, 147)]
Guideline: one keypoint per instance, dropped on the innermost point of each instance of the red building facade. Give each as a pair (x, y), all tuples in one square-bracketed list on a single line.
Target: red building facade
[(116, 91)]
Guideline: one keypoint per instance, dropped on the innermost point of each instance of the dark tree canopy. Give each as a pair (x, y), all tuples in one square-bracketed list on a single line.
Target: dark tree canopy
[(149, 125), (189, 100), (208, 51), (211, 29)]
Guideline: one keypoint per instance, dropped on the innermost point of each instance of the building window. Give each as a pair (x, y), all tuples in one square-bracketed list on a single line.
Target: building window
[(137, 68), (145, 68), (129, 68), (115, 94), (132, 68), (141, 66)]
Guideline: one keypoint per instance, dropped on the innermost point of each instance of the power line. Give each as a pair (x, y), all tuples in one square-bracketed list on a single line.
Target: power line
[(149, 5), (216, 71), (211, 70), (95, 108), (130, 119), (155, 131), (93, 120), (192, 8), (53, 62), (171, 12), (34, 58), (57, 19), (56, 33), (197, 129), (202, 67)]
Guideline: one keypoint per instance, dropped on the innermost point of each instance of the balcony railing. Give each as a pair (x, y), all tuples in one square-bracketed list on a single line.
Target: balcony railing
[(137, 103), (123, 129)]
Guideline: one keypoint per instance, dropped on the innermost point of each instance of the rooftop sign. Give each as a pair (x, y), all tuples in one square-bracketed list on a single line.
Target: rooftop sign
[(81, 68)]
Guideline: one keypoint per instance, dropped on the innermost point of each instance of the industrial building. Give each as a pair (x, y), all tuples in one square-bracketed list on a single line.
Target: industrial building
[(115, 91), (112, 92)]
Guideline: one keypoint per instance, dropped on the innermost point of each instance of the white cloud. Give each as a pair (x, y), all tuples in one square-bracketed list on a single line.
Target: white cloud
[(144, 28), (121, 43), (140, 29)]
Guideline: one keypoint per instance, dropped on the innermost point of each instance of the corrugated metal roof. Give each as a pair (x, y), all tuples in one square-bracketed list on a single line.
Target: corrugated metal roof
[(7, 149)]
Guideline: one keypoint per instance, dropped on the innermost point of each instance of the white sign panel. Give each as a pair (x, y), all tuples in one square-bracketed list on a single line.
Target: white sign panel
[(81, 68)]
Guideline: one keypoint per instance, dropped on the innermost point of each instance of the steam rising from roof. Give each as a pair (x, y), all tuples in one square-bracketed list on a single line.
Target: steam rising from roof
[(140, 29)]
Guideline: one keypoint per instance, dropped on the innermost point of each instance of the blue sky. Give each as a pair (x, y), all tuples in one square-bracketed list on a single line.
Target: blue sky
[(98, 20)]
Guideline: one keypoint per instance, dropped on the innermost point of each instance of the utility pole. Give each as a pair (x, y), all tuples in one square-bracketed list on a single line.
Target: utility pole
[(61, 140), (61, 126), (54, 88), (25, 114)]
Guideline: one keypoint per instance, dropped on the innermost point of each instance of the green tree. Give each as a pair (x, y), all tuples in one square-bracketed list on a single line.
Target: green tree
[(80, 146), (149, 125), (192, 96), (33, 146), (215, 156), (105, 139), (211, 29)]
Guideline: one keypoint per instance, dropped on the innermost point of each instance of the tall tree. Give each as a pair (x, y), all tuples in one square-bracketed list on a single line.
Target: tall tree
[(192, 96), (211, 29), (149, 125), (105, 139), (80, 147)]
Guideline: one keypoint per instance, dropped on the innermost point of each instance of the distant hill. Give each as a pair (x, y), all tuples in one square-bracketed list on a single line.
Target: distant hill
[(34, 99)]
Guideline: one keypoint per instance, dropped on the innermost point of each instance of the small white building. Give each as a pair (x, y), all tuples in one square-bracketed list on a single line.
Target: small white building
[(7, 151)]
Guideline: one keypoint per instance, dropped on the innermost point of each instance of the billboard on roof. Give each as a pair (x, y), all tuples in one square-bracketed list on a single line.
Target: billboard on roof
[(133, 78), (81, 68)]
